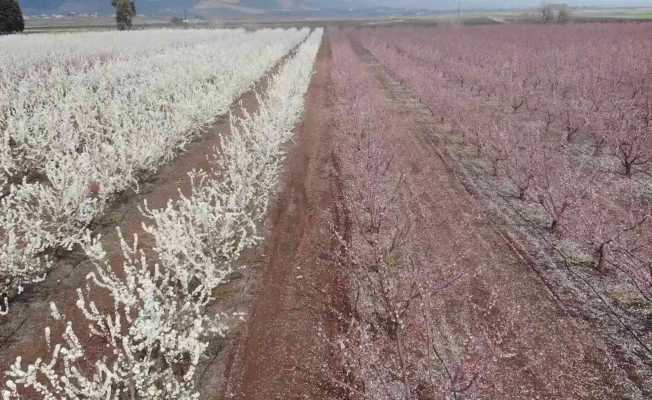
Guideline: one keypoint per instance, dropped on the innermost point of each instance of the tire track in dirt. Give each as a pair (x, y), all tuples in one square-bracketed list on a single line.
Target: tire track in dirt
[(279, 353), (22, 330), (533, 349)]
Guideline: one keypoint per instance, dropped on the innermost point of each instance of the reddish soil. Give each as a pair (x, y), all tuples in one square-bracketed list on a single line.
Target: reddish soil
[(279, 354)]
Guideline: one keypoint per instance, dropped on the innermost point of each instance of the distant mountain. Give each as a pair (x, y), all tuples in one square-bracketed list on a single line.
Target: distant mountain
[(99, 6), (152, 7)]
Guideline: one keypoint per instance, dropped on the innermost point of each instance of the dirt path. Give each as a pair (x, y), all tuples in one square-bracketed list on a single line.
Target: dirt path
[(22, 330), (279, 355), (532, 348)]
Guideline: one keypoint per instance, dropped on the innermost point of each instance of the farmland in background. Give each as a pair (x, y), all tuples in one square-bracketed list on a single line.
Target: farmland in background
[(62, 23)]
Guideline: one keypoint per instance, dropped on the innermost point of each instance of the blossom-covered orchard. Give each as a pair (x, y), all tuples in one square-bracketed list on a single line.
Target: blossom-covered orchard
[(559, 116), (159, 325), (86, 116)]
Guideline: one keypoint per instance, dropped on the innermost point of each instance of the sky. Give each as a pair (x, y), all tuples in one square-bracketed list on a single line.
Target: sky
[(448, 4)]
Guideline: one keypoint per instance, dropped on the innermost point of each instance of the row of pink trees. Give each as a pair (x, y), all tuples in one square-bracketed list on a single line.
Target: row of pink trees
[(386, 340), (562, 115)]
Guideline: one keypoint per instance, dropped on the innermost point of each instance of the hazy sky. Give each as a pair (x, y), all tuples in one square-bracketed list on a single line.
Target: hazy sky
[(440, 4)]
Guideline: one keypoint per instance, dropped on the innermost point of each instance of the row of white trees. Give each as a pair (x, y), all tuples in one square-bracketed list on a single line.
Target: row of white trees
[(29, 52), (75, 133), (154, 337)]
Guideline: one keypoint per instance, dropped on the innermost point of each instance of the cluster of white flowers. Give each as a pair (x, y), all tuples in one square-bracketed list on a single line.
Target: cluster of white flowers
[(159, 328), (75, 131)]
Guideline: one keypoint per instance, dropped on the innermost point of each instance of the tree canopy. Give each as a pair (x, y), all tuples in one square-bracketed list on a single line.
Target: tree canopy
[(125, 10), (11, 17)]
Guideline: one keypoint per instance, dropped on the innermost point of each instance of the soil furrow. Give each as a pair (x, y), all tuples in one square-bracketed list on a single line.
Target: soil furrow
[(279, 352)]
